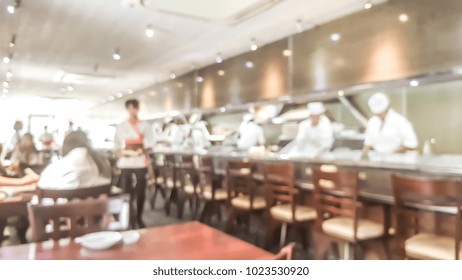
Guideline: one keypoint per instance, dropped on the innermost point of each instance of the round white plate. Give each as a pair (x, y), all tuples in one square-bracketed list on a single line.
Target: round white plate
[(130, 237), (99, 240)]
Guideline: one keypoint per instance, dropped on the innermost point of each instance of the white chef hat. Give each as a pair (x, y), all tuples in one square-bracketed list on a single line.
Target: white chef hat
[(378, 103), (316, 108), (248, 117)]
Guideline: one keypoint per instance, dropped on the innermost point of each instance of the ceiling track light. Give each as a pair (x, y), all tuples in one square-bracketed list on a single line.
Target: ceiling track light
[(13, 41), (219, 59), (116, 54), (299, 25), (253, 45), (7, 59), (12, 8), (368, 5), (150, 31), (172, 75)]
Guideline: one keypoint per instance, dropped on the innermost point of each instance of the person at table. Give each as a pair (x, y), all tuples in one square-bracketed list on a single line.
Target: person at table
[(388, 132), (315, 135), (25, 154), (70, 128), (133, 140), (80, 167), (47, 139), (250, 134)]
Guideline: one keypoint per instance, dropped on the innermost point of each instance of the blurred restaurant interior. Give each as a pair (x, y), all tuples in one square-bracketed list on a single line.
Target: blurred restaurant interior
[(245, 129)]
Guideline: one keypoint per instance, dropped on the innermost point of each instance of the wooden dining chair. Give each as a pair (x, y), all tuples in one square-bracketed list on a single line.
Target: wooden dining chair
[(72, 219), (339, 218), (169, 173), (211, 191), (69, 194), (189, 184), (14, 207), (417, 238), (286, 253), (157, 162), (282, 206), (244, 199)]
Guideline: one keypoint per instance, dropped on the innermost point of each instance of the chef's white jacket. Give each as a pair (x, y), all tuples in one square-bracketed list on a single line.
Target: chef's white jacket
[(387, 136), (313, 140), (76, 170), (250, 135)]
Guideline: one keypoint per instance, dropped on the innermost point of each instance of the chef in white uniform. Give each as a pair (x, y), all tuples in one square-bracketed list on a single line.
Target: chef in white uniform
[(387, 131), (315, 135), (178, 134), (199, 136), (250, 133)]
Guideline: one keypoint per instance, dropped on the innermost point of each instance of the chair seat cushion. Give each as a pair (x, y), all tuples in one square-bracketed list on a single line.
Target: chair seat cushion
[(283, 212), (243, 202), (189, 189), (170, 184), (220, 194), (342, 227), (431, 246)]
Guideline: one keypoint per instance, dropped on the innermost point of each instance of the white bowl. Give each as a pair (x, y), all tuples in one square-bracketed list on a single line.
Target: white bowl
[(99, 240)]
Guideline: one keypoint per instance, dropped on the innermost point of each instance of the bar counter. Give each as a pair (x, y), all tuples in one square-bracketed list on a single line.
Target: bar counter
[(375, 171)]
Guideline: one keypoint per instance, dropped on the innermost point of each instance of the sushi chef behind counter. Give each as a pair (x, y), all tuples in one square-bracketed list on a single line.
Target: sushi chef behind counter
[(315, 135), (388, 132), (250, 133)]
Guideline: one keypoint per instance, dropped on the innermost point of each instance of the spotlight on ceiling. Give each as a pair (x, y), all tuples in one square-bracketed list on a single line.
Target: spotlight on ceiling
[(9, 74), (253, 45), (219, 59), (249, 64), (221, 72), (335, 37), (13, 41), (199, 79), (368, 5), (150, 31), (70, 88), (116, 54), (414, 83), (5, 84), (403, 17), (130, 91), (12, 8), (299, 25), (6, 59), (172, 75), (287, 52)]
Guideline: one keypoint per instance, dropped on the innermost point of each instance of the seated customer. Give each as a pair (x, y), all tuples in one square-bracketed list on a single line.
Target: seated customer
[(80, 167), (25, 153)]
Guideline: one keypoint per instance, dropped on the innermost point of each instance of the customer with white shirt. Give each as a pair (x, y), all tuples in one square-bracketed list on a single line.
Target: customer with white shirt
[(387, 131), (133, 140), (80, 167), (250, 133), (315, 135)]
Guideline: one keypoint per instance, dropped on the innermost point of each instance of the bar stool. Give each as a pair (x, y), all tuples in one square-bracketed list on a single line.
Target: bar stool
[(158, 184), (169, 175), (211, 190), (189, 184), (339, 219), (281, 204), (242, 192), (440, 197)]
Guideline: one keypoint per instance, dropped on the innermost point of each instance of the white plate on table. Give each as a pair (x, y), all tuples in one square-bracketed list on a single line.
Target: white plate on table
[(100, 240)]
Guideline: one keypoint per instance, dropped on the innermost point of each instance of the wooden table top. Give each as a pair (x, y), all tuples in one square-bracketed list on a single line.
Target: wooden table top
[(187, 241)]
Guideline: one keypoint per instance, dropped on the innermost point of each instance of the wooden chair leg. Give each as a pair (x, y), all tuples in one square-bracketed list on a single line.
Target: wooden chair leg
[(271, 227), (231, 219), (181, 201), (303, 236), (205, 211)]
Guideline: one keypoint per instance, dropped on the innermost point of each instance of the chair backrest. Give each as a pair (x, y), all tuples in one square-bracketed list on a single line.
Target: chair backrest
[(286, 253), (187, 170), (417, 194), (279, 184), (239, 179), (72, 219), (80, 193), (207, 175), (336, 194)]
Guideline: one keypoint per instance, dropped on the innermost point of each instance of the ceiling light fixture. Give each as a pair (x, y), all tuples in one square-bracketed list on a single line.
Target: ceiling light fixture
[(219, 59), (13, 41), (221, 72), (403, 17), (368, 5), (12, 8), (335, 37), (299, 25), (199, 79), (130, 91), (119, 94), (116, 54), (5, 91), (9, 74), (253, 45), (5, 84), (6, 59), (150, 31), (287, 52), (110, 98), (414, 83), (172, 75), (249, 64), (222, 109), (341, 93), (70, 88)]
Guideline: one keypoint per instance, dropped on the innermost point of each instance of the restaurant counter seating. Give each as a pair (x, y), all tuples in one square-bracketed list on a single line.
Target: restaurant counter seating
[(170, 178), (421, 239), (339, 214), (189, 184), (281, 204), (212, 193), (158, 184), (243, 194), (72, 219)]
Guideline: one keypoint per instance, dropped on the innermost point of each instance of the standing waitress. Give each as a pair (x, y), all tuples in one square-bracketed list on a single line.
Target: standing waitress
[(133, 139)]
